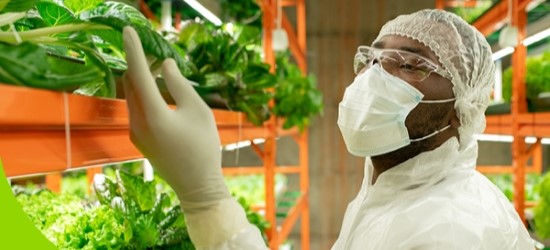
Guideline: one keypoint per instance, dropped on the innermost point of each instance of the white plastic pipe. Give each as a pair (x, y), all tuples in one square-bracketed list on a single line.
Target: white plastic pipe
[(166, 15)]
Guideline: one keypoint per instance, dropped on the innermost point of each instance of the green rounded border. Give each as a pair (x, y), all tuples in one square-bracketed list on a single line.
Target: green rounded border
[(16, 230)]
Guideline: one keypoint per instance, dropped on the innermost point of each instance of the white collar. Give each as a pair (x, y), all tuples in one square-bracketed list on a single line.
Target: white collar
[(424, 169)]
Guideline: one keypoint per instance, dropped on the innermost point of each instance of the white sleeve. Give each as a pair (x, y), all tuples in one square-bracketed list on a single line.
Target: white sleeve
[(223, 227)]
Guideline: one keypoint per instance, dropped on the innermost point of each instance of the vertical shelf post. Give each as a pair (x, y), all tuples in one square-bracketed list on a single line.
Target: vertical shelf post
[(440, 4), (304, 187), (298, 47), (519, 157), (301, 30), (269, 12), (53, 182)]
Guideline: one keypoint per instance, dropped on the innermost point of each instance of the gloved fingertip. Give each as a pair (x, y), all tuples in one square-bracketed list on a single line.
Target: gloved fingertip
[(127, 31), (169, 66), (169, 63), (129, 35)]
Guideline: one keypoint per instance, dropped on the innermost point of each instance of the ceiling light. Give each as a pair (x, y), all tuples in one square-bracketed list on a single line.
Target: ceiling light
[(242, 144), (536, 37), (502, 53), (528, 41), (204, 12), (508, 138)]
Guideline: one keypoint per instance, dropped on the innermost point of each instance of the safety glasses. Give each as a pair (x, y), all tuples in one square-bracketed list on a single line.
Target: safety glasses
[(403, 64)]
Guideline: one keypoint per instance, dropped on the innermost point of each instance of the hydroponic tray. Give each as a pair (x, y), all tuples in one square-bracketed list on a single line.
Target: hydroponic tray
[(46, 131)]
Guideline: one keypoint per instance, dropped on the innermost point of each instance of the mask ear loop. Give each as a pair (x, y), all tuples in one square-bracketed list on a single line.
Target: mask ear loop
[(438, 101), (67, 130), (430, 135)]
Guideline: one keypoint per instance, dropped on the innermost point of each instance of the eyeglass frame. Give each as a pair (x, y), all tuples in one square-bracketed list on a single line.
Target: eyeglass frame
[(436, 67)]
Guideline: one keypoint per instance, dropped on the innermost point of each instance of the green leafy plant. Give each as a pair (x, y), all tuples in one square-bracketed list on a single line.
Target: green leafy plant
[(246, 12), (125, 213), (253, 187), (76, 46), (223, 64), (66, 45), (505, 183), (75, 183), (470, 14), (297, 98), (542, 210), (150, 220), (537, 79), (70, 223)]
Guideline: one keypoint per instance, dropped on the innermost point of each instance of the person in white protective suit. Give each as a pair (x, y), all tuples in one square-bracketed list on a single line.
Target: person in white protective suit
[(418, 98)]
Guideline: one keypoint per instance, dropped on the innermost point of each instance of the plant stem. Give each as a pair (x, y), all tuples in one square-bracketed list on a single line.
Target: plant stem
[(8, 36), (8, 18)]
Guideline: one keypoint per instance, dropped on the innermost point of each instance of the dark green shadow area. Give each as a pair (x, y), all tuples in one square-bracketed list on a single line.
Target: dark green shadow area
[(16, 230)]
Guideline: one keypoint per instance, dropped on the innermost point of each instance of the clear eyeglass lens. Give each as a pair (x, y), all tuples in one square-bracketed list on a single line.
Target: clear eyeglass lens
[(405, 65)]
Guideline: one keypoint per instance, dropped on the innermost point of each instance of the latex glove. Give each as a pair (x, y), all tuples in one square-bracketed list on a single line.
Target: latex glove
[(182, 144)]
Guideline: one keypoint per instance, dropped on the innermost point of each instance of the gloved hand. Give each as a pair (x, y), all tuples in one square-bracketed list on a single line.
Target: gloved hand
[(183, 145)]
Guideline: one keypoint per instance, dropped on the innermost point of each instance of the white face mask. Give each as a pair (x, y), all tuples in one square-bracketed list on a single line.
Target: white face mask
[(372, 113)]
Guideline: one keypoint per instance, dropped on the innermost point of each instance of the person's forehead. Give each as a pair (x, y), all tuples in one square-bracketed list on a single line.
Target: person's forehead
[(406, 44)]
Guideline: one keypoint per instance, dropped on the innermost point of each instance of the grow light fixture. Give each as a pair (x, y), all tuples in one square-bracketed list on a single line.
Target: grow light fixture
[(528, 41), (537, 37), (204, 12), (502, 53), (242, 144), (509, 138)]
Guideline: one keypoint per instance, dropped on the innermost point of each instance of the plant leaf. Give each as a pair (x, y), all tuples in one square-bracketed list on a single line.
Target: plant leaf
[(258, 76), (119, 15), (124, 13), (77, 6), (112, 37), (247, 35), (104, 188), (137, 189), (29, 22), (16, 5), (82, 42), (53, 14), (194, 34), (27, 64), (153, 43)]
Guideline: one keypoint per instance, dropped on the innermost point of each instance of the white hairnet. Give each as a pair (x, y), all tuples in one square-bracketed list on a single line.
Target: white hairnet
[(464, 54)]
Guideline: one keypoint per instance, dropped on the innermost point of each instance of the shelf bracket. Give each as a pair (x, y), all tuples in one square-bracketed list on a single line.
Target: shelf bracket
[(257, 149)]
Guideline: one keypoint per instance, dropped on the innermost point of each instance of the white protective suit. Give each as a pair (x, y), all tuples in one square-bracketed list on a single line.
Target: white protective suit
[(435, 200)]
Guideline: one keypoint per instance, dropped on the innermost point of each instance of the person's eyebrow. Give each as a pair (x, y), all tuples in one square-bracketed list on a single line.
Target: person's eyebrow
[(415, 50)]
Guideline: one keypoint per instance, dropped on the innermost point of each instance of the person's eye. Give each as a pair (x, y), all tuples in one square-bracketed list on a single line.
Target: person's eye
[(409, 68)]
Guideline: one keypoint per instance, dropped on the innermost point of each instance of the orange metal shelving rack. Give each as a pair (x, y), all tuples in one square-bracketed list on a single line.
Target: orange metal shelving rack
[(45, 133), (519, 123), (297, 43)]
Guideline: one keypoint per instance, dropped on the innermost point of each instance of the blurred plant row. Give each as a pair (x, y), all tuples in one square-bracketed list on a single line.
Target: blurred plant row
[(537, 190), (76, 46), (124, 211)]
